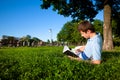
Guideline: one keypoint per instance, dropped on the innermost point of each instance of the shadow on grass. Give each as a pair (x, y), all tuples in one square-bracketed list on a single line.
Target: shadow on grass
[(110, 55)]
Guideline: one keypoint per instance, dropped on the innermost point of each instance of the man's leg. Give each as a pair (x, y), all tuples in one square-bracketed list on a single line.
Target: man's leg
[(74, 58)]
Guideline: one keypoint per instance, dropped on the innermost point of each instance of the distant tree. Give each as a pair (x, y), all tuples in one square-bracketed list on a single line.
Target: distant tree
[(9, 40), (69, 33), (36, 39), (4, 40), (87, 9), (4, 37), (28, 39), (23, 40), (98, 24)]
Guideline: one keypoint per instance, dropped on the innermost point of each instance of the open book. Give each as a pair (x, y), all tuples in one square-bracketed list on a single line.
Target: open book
[(71, 52)]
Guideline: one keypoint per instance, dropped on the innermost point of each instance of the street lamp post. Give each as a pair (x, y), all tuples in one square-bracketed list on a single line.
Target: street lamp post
[(50, 30)]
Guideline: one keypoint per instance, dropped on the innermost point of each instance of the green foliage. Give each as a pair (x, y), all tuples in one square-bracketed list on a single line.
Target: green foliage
[(98, 24), (116, 29), (116, 41), (80, 9), (116, 25), (69, 33), (48, 63), (115, 5)]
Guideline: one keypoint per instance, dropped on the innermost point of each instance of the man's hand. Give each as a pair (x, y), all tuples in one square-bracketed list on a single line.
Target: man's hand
[(96, 62), (80, 49)]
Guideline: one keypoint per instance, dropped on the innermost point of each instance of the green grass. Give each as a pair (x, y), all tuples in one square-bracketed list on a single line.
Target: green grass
[(48, 63)]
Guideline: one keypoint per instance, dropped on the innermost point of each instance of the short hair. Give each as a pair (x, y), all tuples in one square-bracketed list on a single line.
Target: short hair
[(85, 26)]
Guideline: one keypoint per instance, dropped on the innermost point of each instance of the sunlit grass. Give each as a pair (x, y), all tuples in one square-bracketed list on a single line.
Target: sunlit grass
[(32, 63)]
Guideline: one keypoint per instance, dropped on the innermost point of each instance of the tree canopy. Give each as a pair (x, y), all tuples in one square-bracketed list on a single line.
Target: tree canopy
[(80, 9)]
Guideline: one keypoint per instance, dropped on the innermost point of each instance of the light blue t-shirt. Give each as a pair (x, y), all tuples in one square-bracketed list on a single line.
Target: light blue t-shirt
[(93, 48)]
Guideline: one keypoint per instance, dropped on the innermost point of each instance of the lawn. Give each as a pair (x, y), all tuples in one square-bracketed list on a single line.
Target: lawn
[(48, 63)]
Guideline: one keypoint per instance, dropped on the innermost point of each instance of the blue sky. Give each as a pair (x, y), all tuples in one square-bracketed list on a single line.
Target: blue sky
[(24, 17)]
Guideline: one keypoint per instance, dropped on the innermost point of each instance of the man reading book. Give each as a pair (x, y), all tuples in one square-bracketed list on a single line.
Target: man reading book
[(93, 48)]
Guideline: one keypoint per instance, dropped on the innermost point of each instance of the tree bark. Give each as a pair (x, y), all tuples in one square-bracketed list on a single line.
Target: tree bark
[(107, 29)]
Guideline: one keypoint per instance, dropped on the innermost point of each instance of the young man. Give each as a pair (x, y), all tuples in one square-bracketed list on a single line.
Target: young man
[(92, 50)]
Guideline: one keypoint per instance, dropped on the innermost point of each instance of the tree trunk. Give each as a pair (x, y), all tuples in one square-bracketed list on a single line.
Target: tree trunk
[(107, 29)]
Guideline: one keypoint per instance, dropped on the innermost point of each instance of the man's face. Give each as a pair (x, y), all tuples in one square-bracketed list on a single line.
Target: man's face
[(85, 34)]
